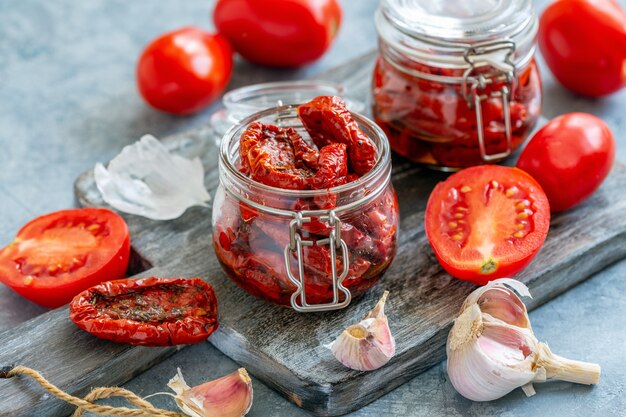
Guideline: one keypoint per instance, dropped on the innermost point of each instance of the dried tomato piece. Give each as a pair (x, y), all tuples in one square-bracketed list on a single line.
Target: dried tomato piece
[(274, 231), (268, 156), (351, 177), (317, 261), (306, 156), (327, 120), (379, 220), (265, 275), (148, 312), (333, 167)]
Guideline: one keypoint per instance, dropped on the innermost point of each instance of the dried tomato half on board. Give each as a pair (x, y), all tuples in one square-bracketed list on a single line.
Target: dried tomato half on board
[(327, 120), (267, 154), (148, 311)]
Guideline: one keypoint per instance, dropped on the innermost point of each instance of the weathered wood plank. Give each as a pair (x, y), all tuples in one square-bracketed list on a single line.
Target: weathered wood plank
[(283, 348)]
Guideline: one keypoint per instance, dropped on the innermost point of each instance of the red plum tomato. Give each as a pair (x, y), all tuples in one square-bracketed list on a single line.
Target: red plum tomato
[(584, 44), (278, 33), (570, 157), (183, 71)]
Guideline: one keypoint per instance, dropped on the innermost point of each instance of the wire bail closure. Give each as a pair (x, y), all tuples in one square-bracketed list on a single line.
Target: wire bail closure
[(480, 56), (335, 242)]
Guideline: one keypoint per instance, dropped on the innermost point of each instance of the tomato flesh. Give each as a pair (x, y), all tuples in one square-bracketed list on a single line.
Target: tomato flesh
[(487, 222), (56, 256)]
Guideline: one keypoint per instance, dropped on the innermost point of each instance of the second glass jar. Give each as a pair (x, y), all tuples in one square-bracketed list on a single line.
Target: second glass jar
[(453, 91)]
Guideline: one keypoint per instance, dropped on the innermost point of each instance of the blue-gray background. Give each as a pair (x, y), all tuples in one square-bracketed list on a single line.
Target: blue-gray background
[(68, 100)]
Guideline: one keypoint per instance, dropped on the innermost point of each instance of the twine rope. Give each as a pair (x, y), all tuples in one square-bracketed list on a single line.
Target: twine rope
[(85, 404)]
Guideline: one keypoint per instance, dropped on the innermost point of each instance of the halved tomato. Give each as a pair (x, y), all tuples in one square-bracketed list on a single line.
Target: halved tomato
[(58, 255), (487, 222)]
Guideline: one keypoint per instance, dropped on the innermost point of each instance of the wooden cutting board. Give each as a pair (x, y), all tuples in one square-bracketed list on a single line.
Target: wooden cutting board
[(284, 348)]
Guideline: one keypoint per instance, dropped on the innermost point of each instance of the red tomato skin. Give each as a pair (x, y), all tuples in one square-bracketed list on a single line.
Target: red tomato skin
[(504, 271), (570, 157), (278, 33), (183, 71), (584, 44), (529, 246), (58, 294), (153, 332)]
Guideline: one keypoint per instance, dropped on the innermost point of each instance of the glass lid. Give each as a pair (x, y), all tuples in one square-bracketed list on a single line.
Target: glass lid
[(443, 32), (242, 102), (459, 20)]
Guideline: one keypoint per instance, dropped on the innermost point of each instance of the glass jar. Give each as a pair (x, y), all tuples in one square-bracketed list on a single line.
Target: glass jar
[(456, 83), (312, 250)]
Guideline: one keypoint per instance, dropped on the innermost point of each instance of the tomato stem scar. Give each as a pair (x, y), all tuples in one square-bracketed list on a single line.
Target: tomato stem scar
[(489, 267)]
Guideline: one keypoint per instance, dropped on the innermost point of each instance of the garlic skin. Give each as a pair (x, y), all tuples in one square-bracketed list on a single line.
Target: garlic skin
[(367, 345), (492, 349), (147, 180), (229, 396)]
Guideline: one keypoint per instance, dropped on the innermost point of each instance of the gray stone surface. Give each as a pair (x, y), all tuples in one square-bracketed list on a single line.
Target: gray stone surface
[(68, 100)]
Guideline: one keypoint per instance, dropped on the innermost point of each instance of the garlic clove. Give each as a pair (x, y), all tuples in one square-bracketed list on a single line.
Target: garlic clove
[(229, 396), (492, 349), (474, 370), (499, 305), (501, 302), (367, 345)]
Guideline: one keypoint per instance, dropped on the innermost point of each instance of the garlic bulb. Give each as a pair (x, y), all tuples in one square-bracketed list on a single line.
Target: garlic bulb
[(492, 348), (367, 345), (147, 180), (229, 396)]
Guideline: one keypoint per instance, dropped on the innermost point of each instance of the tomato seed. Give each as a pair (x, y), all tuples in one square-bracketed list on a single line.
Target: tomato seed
[(511, 191)]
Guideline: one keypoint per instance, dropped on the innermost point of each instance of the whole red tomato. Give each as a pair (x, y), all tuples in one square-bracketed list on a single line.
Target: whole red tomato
[(280, 33), (183, 71), (569, 157), (584, 44)]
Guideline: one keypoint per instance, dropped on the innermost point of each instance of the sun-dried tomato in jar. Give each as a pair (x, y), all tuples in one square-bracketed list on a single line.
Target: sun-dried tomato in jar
[(305, 214), (456, 83)]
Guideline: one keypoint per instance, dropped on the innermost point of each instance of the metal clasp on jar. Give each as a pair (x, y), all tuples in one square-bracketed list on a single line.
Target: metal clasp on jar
[(335, 243), (486, 55)]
